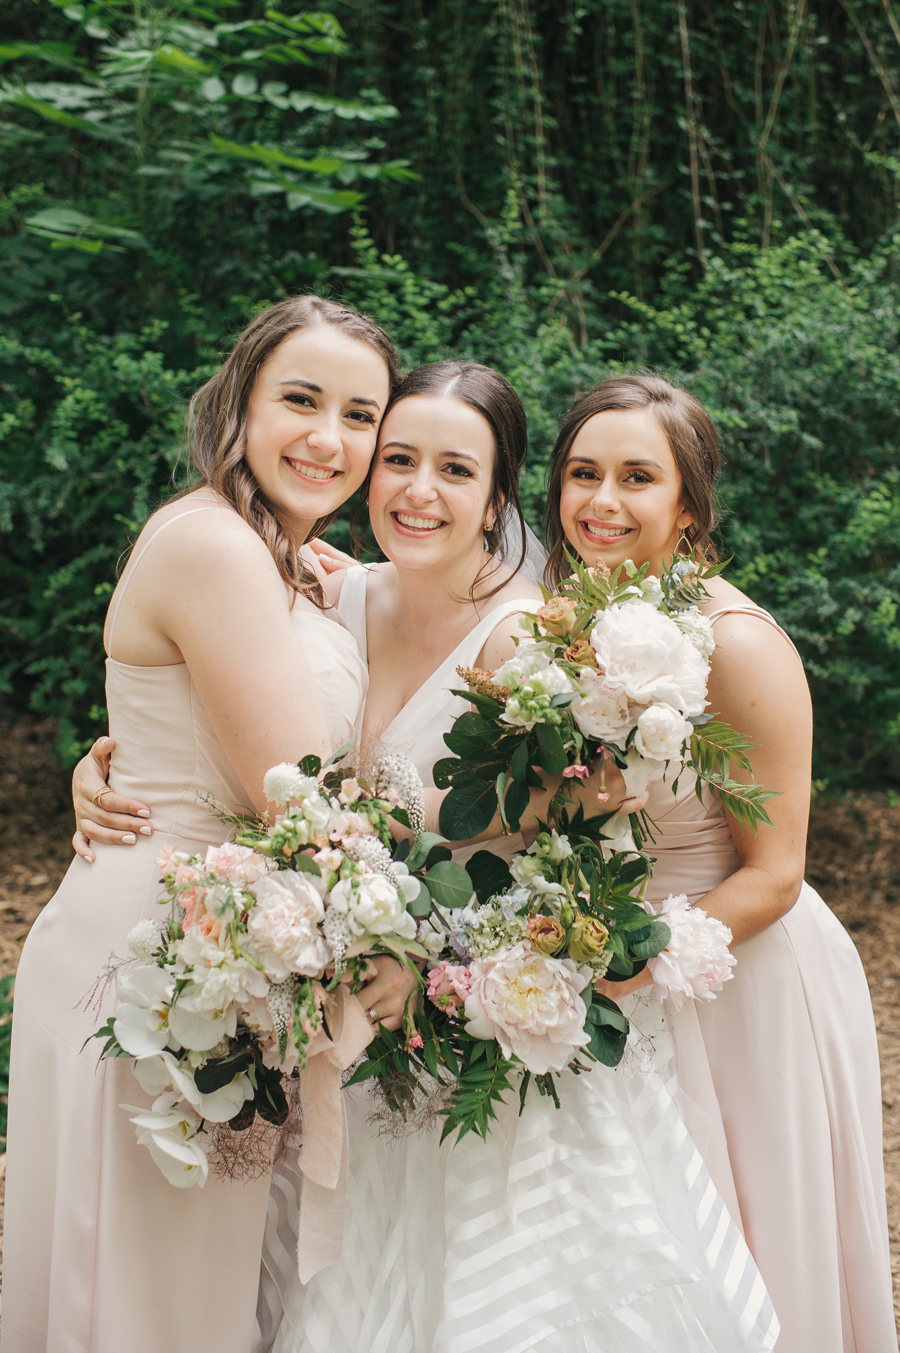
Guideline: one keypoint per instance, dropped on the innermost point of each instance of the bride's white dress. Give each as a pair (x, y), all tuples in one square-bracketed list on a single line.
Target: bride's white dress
[(590, 1229)]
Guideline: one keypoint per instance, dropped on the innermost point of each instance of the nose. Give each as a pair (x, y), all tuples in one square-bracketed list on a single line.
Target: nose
[(420, 488), (605, 497), (325, 434)]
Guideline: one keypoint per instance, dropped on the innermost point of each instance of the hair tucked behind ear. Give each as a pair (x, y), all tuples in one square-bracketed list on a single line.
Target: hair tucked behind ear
[(690, 432), (217, 422)]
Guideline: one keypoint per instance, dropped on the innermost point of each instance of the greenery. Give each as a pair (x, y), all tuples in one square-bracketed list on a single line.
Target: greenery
[(557, 189)]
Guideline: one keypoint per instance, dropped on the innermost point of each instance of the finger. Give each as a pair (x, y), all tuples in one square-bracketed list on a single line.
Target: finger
[(634, 805), (82, 847), (332, 565), (95, 832), (115, 810), (102, 751)]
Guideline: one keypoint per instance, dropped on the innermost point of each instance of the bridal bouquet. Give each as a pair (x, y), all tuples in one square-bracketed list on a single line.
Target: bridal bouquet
[(510, 988), (614, 666), (263, 934)]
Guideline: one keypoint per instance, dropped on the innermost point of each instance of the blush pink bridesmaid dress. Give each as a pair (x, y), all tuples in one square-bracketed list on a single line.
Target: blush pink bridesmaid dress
[(102, 1254), (781, 1090)]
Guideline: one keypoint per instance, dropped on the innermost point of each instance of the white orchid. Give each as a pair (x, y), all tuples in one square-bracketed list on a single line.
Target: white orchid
[(173, 1138), (141, 1022), (164, 1073)]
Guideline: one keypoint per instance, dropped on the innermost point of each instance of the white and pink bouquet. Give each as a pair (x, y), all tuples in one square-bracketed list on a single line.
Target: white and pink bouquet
[(265, 938), (614, 666)]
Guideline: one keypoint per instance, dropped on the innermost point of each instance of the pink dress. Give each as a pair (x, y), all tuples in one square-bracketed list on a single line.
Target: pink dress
[(781, 1090), (102, 1254)]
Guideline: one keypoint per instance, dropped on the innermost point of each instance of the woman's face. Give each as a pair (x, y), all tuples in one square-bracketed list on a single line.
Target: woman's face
[(312, 422), (430, 490), (621, 491)]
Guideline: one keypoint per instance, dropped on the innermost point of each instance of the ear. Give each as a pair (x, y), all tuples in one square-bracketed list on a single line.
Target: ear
[(685, 518)]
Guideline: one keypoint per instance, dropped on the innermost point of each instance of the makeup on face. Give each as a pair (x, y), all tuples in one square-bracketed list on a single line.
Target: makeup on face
[(312, 422), (430, 488), (621, 491)]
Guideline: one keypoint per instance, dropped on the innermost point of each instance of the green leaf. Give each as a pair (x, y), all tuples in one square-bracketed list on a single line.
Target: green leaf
[(607, 1044), (305, 864), (467, 811), (552, 754), (518, 765), (310, 765), (470, 737), (605, 1012), (486, 705), (489, 874), (653, 944), (424, 845), (221, 1071), (442, 771), (449, 884), (518, 797), (421, 905)]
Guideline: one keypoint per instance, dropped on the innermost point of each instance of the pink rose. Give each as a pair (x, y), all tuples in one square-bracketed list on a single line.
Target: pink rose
[(448, 985), (238, 864), (530, 1004), (283, 928)]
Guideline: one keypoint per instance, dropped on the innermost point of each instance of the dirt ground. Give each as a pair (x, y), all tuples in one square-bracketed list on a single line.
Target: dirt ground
[(853, 860)]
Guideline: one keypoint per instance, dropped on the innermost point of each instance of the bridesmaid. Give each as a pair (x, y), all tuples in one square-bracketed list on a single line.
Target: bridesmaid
[(215, 621), (780, 1073)]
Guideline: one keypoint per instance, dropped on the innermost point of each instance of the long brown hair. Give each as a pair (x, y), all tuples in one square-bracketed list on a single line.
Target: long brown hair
[(491, 395), (217, 421), (690, 432)]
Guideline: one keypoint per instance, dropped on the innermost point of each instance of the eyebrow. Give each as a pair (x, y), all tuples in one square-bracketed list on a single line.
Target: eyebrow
[(317, 389), (589, 460)]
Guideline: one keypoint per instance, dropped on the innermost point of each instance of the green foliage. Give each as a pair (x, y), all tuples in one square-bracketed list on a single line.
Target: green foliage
[(6, 1009), (524, 184)]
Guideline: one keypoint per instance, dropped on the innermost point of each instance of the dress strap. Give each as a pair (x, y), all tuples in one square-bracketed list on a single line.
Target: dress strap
[(133, 564), (464, 654), (751, 608), (351, 605)]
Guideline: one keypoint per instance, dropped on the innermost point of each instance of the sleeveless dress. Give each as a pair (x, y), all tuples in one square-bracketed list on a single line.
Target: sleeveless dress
[(591, 1229), (102, 1254), (781, 1091)]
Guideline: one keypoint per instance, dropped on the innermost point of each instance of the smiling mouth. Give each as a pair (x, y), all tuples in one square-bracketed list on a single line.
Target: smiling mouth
[(599, 530), (424, 525), (314, 473)]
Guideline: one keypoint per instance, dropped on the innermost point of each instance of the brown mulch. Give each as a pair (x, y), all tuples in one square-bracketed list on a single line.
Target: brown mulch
[(853, 860)]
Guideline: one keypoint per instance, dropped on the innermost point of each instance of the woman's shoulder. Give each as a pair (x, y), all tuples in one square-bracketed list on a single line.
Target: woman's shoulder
[(190, 525), (748, 638)]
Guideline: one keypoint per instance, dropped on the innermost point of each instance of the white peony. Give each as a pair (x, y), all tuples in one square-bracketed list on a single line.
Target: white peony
[(661, 733), (143, 940), (285, 782), (697, 959), (530, 1004), (699, 630), (175, 1142), (283, 928), (204, 1011), (646, 655), (141, 1022), (602, 711), (373, 906)]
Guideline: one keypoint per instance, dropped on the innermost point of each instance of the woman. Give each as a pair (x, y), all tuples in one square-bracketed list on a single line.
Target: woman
[(562, 1231), (215, 618), (779, 1073)]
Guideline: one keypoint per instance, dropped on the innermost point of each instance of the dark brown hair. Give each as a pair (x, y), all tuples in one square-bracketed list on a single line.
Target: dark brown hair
[(491, 395), (217, 421), (690, 432)]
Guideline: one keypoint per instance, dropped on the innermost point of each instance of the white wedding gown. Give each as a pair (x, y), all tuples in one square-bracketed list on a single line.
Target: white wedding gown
[(594, 1228)]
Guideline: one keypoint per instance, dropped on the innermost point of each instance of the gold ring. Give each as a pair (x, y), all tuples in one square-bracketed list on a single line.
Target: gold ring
[(96, 798)]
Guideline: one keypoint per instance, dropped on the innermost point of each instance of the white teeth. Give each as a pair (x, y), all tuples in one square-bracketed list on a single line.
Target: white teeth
[(418, 523), (600, 530), (312, 471)]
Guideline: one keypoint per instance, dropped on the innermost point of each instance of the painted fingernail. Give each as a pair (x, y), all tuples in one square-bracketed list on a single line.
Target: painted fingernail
[(146, 831), (129, 839), (142, 812)]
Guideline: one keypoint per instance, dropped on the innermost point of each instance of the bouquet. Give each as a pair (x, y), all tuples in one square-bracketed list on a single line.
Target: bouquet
[(510, 989), (253, 970), (614, 667)]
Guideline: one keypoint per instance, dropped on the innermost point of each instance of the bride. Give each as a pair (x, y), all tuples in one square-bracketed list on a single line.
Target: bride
[(591, 1228)]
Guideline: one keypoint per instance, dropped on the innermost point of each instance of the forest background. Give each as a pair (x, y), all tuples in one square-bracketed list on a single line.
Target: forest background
[(560, 188)]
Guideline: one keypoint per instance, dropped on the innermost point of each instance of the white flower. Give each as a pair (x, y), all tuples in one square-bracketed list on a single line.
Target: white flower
[(157, 1075), (534, 680), (373, 906), (697, 960), (319, 814), (531, 1005), (431, 937), (496, 926), (143, 940), (698, 629), (661, 733), (617, 838), (283, 928), (602, 710), (649, 590), (173, 1138), (204, 1011), (528, 873), (285, 782), (646, 655), (141, 1022)]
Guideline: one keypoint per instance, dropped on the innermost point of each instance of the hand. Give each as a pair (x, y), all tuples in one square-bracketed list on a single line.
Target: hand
[(112, 818), (331, 559), (616, 990), (387, 990)]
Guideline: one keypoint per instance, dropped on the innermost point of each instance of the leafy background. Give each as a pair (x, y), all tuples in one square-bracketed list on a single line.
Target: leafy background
[(558, 187)]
